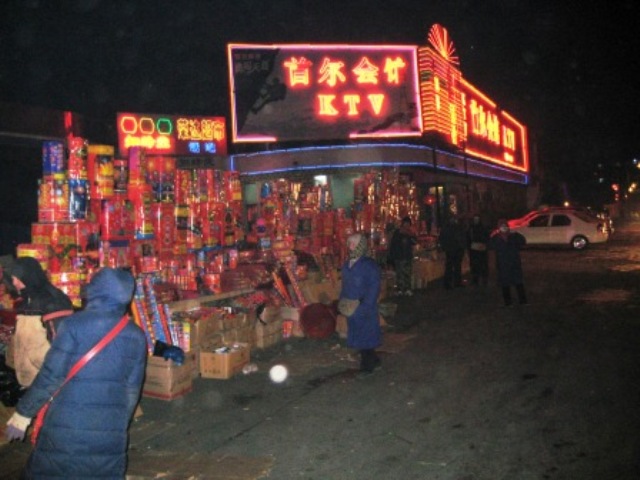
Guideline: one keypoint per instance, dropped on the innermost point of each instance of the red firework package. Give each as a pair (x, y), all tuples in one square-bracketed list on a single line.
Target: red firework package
[(77, 162), (164, 224), (117, 218), (100, 171)]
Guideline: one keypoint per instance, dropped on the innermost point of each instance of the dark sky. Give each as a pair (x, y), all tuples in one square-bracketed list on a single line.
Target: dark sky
[(566, 69)]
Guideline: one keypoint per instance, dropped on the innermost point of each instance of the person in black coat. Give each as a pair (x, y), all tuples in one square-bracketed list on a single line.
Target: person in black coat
[(507, 245), (478, 238), (401, 255), (41, 310), (453, 241)]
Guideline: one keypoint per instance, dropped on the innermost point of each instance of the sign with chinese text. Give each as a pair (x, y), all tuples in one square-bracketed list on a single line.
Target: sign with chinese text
[(323, 92), (491, 133), (172, 134)]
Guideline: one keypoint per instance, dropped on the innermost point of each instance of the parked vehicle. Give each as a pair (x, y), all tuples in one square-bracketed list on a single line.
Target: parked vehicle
[(570, 227)]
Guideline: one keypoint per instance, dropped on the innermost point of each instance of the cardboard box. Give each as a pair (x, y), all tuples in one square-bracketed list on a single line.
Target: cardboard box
[(215, 364), (166, 380)]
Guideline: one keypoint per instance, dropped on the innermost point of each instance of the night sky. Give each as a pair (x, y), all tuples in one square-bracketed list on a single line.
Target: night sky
[(566, 69)]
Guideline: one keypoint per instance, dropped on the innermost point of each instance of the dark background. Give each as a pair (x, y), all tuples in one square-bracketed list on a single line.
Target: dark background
[(565, 69)]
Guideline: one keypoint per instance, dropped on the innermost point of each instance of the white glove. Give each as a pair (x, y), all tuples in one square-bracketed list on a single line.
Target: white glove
[(17, 427)]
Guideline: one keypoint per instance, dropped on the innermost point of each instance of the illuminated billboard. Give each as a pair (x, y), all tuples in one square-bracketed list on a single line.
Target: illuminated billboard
[(323, 92), (491, 133), (177, 135)]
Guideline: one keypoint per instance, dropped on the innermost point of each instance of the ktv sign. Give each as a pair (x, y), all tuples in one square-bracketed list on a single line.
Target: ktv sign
[(323, 92)]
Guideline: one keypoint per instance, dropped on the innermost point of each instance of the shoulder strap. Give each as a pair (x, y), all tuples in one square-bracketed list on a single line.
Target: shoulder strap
[(94, 351)]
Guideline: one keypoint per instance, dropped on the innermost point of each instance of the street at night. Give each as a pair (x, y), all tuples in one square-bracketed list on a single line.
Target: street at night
[(468, 390)]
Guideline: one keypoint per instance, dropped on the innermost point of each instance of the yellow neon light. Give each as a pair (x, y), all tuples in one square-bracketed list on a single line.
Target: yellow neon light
[(331, 72), (392, 68), (366, 72), (298, 69), (439, 39)]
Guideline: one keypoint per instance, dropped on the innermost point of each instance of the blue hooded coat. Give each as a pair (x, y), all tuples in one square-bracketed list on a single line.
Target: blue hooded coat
[(85, 430), (361, 281)]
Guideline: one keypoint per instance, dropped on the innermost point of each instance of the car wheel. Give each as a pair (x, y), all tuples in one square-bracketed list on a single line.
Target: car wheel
[(579, 242)]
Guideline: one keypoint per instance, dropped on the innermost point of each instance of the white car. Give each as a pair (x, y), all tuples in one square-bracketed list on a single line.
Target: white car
[(573, 228)]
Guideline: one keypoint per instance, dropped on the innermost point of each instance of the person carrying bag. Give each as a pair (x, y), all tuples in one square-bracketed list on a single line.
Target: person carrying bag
[(89, 386)]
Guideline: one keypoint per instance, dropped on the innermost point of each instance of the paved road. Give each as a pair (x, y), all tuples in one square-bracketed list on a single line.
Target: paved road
[(468, 390)]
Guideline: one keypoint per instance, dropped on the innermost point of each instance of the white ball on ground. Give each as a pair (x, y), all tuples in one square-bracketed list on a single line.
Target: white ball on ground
[(278, 373)]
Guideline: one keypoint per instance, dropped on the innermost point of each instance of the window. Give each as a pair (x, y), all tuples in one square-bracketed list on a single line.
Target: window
[(560, 221), (540, 221)]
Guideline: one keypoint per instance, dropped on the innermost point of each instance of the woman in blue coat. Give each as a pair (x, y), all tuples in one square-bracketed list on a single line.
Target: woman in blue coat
[(85, 430), (361, 282)]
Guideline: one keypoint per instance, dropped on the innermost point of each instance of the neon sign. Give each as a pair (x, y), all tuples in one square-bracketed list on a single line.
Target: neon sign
[(491, 133), (171, 135), (462, 115), (311, 92), (440, 88)]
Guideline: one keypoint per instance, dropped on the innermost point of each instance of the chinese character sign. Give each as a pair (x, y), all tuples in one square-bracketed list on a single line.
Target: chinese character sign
[(172, 134), (491, 133), (323, 92)]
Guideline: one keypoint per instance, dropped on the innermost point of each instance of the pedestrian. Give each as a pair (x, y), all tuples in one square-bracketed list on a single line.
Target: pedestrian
[(453, 241), (403, 240), (41, 309), (359, 303), (84, 434), (478, 241), (507, 245)]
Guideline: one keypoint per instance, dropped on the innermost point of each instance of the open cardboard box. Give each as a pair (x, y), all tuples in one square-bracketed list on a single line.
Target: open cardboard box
[(224, 362)]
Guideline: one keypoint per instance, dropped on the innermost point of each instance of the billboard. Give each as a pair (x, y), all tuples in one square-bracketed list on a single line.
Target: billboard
[(322, 92), (491, 133), (175, 135)]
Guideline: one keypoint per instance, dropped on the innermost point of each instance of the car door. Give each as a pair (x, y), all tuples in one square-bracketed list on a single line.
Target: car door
[(537, 230), (561, 229)]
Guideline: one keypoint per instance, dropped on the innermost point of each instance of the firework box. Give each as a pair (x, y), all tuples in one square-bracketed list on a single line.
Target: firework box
[(166, 380), (224, 362)]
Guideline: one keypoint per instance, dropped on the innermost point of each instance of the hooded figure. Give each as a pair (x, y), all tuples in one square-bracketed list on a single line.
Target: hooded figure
[(507, 246), (84, 434), (38, 316), (361, 282)]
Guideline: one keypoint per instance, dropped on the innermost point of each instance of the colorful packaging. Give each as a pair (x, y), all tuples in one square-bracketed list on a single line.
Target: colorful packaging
[(120, 175), (53, 157), (100, 171), (78, 199), (77, 161), (164, 224)]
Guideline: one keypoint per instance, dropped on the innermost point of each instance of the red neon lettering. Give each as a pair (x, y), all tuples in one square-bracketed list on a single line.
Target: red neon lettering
[(326, 105), (366, 72), (392, 69), (331, 72), (298, 71)]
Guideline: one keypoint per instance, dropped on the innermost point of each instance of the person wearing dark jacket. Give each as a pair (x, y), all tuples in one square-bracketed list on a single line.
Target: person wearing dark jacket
[(361, 280), (453, 241), (507, 245), (401, 255), (39, 314), (478, 238), (84, 435)]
